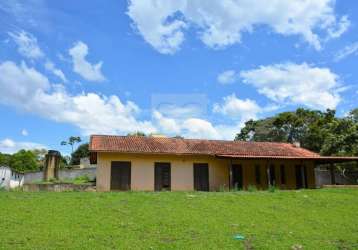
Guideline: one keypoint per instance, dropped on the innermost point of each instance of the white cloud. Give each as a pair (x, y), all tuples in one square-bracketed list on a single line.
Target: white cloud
[(28, 90), (221, 23), (50, 66), (152, 20), (27, 44), (24, 132), (9, 146), (351, 49), (301, 84), (227, 77), (237, 109), (90, 72)]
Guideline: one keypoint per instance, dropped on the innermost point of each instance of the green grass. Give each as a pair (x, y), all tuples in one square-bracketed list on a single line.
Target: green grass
[(313, 219)]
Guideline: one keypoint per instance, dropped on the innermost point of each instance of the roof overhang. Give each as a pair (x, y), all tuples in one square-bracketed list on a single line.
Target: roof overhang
[(317, 160)]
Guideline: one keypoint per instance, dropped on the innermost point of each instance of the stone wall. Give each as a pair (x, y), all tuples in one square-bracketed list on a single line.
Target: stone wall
[(58, 187), (63, 174)]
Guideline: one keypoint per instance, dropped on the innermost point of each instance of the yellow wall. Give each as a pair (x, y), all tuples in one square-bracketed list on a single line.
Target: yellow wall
[(142, 171)]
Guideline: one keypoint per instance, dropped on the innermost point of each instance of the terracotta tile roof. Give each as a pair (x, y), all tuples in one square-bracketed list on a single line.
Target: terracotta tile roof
[(155, 145)]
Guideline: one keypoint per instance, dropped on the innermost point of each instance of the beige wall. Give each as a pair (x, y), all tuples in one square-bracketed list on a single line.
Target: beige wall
[(142, 171)]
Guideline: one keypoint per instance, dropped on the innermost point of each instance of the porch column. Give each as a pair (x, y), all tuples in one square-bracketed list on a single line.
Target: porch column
[(333, 177), (268, 174), (230, 174)]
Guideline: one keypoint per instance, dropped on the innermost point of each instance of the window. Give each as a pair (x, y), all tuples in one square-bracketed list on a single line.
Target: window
[(257, 174), (283, 174)]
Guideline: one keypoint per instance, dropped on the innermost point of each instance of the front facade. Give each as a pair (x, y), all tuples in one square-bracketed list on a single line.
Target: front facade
[(155, 164), (202, 173)]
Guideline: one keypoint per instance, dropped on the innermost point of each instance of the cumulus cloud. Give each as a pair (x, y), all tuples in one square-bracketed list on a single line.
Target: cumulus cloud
[(24, 132), (351, 49), (10, 146), (300, 84), (238, 109), (162, 23), (227, 77), (28, 90), (27, 44), (50, 66), (90, 72)]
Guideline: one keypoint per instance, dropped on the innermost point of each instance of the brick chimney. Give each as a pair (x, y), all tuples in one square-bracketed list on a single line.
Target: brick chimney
[(52, 165)]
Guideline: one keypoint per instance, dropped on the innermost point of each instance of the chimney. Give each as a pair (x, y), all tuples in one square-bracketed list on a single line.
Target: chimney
[(296, 144), (52, 165)]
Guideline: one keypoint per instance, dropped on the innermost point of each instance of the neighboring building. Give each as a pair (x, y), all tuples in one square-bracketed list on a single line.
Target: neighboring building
[(10, 178), (156, 163)]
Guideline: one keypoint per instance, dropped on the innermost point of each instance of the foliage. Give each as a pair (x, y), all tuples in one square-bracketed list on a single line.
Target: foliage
[(80, 152), (65, 161), (251, 188), (81, 179), (5, 159), (23, 161), (137, 133), (71, 141), (318, 131), (185, 220)]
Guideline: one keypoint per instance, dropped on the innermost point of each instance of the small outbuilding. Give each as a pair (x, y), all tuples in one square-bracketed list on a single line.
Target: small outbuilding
[(10, 179)]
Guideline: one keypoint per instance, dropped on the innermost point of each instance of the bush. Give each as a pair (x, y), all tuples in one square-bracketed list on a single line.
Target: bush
[(272, 189), (81, 179), (251, 188)]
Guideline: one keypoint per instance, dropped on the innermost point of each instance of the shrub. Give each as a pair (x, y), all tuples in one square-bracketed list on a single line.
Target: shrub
[(251, 188), (272, 189)]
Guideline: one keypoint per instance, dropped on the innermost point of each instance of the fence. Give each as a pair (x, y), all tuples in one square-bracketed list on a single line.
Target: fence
[(323, 177), (31, 177)]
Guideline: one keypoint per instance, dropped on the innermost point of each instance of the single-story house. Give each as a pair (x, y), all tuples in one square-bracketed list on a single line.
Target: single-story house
[(10, 178), (161, 163)]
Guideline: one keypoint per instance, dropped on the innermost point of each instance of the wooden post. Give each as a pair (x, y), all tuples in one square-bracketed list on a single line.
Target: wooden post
[(268, 174), (333, 177), (230, 175)]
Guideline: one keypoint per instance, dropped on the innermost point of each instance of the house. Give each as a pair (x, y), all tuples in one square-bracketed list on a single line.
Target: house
[(157, 163), (9, 178)]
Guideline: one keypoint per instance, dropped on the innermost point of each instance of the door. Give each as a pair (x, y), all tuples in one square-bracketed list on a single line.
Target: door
[(236, 176), (162, 178), (272, 175), (121, 175), (201, 176), (301, 177)]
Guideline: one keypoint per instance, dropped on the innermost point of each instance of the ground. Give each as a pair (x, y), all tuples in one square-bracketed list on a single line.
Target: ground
[(312, 219)]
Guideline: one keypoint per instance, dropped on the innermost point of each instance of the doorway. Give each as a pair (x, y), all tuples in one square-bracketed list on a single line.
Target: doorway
[(162, 178), (121, 175), (236, 171), (201, 177)]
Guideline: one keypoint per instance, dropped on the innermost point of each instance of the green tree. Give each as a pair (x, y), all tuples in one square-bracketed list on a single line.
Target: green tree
[(318, 131), (5, 159), (23, 161), (71, 141), (81, 152), (137, 133)]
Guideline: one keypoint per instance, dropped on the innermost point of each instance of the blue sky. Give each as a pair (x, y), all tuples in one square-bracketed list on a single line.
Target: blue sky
[(195, 68)]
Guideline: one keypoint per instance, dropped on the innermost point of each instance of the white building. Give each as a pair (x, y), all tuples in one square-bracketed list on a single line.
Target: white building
[(10, 179)]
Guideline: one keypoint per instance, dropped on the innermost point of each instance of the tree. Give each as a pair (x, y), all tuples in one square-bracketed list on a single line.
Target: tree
[(71, 141), (318, 131), (137, 133), (81, 152), (5, 159), (23, 161)]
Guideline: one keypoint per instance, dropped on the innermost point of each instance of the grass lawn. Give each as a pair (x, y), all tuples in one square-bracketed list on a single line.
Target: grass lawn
[(313, 219)]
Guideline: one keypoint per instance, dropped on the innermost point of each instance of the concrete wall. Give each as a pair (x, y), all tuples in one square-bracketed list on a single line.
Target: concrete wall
[(31, 177), (142, 171), (323, 177)]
